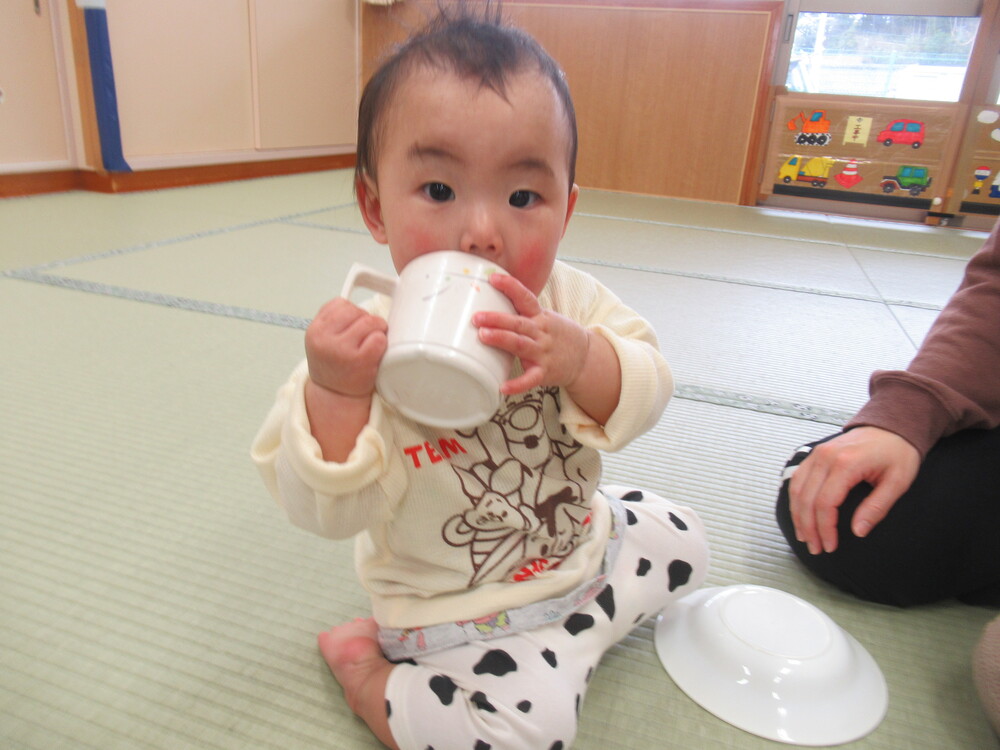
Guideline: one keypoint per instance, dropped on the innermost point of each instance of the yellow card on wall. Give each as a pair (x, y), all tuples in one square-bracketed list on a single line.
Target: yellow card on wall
[(857, 130)]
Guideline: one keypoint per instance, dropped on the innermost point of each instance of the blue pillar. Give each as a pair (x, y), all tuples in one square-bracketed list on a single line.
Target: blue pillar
[(103, 79)]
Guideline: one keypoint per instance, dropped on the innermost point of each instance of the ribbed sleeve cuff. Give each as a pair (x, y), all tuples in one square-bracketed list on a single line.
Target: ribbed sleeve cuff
[(912, 412), (647, 385), (363, 466)]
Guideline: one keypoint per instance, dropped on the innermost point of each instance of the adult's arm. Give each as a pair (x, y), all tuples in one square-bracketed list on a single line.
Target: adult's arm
[(952, 384)]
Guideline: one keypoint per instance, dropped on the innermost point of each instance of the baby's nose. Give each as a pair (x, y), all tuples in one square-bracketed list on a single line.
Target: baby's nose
[(481, 233)]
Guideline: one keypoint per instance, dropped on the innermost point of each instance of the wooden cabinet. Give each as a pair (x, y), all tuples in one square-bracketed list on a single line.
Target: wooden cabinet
[(306, 73), (233, 80), (182, 76), (33, 114)]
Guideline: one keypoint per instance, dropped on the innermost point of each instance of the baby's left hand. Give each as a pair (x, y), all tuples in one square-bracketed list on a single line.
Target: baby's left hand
[(552, 348)]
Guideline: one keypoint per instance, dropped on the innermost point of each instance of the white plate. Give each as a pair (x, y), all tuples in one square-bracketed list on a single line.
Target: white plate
[(772, 665)]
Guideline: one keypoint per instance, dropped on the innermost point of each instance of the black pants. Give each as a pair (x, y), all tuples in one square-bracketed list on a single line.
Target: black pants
[(941, 539)]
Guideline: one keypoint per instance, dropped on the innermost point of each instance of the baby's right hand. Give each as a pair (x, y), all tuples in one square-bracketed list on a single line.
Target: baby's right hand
[(344, 345)]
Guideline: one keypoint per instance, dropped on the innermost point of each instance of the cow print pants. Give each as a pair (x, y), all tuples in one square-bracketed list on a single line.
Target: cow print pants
[(525, 691)]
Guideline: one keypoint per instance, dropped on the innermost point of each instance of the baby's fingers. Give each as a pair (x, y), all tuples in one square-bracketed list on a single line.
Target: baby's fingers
[(522, 383), (485, 319), (520, 296), (516, 340), (365, 326)]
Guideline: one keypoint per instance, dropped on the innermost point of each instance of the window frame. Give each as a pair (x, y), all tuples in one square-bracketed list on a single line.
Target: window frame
[(967, 8)]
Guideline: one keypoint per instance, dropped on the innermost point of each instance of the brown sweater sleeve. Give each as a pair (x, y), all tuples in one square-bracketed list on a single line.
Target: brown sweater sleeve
[(953, 382)]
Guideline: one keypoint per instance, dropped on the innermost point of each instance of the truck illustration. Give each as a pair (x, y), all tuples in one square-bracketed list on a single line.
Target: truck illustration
[(915, 180), (815, 128), (903, 131), (815, 171)]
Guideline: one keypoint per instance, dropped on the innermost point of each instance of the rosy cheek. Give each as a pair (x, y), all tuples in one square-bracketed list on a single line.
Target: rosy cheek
[(424, 241), (532, 266), (412, 242)]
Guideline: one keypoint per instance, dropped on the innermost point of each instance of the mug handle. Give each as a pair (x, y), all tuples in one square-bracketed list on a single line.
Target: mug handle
[(362, 276)]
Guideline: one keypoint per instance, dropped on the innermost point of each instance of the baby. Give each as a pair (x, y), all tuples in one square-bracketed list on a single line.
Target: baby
[(499, 570)]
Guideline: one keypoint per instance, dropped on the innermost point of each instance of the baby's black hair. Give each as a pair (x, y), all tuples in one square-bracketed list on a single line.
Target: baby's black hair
[(476, 45)]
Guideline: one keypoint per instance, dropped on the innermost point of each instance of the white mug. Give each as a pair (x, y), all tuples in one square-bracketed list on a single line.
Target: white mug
[(435, 370)]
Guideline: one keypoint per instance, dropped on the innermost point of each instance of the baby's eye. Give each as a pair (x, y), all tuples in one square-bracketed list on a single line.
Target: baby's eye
[(438, 191), (523, 198)]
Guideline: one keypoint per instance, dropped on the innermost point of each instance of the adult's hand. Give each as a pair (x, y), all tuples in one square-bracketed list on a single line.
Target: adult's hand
[(817, 489)]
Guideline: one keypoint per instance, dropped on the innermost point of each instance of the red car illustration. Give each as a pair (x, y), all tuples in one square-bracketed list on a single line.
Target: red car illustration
[(903, 131)]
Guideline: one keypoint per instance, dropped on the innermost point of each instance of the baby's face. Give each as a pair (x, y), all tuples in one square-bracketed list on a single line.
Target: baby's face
[(461, 168)]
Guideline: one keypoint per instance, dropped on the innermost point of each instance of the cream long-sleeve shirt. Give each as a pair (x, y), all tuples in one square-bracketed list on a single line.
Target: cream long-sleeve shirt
[(454, 525)]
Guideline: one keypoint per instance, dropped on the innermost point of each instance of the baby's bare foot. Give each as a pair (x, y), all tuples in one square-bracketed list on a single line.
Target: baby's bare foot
[(352, 652)]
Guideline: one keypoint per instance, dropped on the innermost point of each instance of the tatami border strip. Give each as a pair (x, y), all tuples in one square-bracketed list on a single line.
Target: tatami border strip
[(688, 392), (291, 219), (785, 237), (164, 300), (777, 407), (753, 282)]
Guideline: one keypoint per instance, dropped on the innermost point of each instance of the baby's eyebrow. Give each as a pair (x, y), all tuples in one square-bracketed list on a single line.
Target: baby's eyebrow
[(417, 151), (532, 164)]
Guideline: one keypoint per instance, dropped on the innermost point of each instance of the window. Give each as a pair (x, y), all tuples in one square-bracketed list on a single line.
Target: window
[(868, 49)]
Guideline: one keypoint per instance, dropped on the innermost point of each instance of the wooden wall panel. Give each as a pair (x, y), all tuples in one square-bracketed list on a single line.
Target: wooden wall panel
[(668, 96)]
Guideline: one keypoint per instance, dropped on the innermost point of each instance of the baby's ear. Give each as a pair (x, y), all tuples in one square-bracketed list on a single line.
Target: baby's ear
[(574, 193), (371, 208)]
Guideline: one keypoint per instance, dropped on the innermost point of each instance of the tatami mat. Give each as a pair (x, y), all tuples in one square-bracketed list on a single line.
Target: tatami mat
[(916, 279), (715, 255), (258, 266), (769, 343), (154, 596)]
